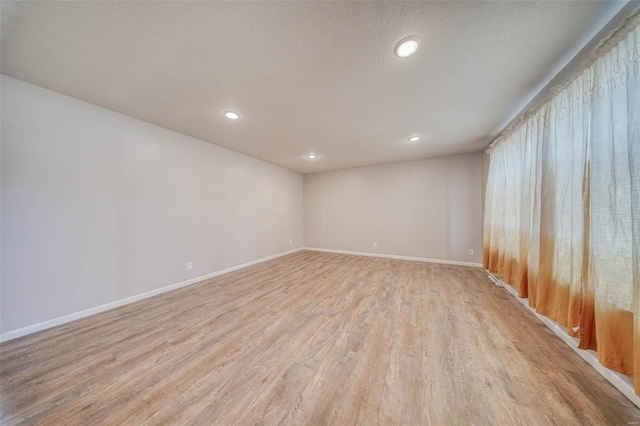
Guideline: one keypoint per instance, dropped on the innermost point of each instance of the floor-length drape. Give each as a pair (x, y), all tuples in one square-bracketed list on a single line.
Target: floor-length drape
[(562, 219)]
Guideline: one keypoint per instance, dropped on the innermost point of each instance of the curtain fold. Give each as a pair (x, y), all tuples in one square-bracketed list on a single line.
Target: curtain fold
[(562, 211)]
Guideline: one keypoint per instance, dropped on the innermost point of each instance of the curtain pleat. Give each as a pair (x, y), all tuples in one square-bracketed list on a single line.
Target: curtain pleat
[(633, 117), (562, 211)]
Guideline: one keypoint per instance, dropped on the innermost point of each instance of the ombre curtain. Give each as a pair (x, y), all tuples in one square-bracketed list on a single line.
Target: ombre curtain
[(562, 219)]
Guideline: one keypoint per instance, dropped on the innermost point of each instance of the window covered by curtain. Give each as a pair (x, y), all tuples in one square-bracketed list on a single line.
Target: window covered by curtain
[(562, 220)]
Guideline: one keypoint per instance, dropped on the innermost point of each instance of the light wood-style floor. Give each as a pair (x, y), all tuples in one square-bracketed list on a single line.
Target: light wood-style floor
[(311, 338)]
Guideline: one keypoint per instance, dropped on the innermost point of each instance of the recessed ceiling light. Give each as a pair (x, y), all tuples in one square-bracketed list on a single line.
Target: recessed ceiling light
[(415, 138), (312, 156), (232, 115), (407, 46)]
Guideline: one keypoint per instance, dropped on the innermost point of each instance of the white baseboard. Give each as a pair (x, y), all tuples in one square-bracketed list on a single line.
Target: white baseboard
[(9, 335), (393, 256), (621, 382)]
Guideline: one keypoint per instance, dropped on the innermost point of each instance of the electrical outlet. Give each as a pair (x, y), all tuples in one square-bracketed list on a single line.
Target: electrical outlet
[(375, 244), (470, 251), (189, 265), (290, 242)]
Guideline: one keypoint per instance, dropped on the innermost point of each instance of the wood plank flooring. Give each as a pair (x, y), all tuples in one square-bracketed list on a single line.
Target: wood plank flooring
[(310, 338)]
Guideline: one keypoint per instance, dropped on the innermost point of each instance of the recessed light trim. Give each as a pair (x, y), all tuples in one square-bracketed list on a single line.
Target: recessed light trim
[(407, 46), (312, 156), (231, 115), (415, 138)]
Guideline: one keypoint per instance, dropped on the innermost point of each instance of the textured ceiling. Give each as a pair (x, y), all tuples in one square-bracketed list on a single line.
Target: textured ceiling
[(306, 77)]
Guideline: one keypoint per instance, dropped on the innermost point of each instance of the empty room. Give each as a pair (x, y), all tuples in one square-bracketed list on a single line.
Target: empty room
[(320, 213)]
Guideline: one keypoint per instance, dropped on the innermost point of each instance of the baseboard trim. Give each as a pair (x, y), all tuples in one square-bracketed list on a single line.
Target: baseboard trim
[(14, 334), (393, 256), (621, 382)]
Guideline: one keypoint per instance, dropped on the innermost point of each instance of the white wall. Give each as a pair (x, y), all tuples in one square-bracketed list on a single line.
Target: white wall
[(97, 206), (425, 208), (485, 176)]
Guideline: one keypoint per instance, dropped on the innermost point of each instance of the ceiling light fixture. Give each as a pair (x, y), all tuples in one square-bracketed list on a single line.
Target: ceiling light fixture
[(231, 115), (407, 46), (415, 138), (312, 156)]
